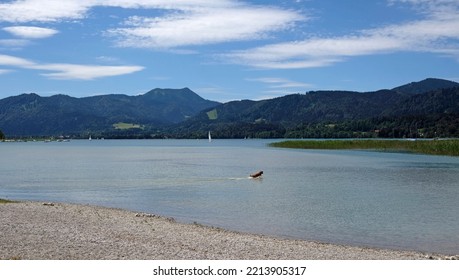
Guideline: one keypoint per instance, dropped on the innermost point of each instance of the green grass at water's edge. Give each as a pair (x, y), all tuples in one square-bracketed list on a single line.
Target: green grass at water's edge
[(125, 126), (5, 201), (448, 147)]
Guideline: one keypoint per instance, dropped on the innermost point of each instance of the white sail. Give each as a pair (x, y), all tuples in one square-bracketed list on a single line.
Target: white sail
[(210, 137)]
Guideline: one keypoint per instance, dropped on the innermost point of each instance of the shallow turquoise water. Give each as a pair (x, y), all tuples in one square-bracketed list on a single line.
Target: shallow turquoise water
[(391, 200)]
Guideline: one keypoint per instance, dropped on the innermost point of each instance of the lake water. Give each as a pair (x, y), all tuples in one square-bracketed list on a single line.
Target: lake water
[(390, 200)]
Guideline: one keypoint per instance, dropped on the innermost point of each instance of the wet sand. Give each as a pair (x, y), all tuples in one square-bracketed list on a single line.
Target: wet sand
[(52, 231)]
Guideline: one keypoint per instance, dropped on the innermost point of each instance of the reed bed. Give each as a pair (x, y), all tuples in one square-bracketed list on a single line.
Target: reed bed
[(448, 147)]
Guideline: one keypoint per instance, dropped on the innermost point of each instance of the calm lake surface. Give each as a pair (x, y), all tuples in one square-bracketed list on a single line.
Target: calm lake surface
[(390, 200)]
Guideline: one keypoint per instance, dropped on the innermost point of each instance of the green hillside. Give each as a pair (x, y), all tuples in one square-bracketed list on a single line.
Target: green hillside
[(337, 114), (429, 109), (33, 115)]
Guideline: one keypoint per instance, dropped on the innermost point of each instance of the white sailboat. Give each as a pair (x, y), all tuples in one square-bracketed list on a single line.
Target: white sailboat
[(210, 137)]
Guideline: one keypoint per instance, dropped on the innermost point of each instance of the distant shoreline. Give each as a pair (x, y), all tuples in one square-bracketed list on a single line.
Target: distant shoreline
[(37, 230), (448, 147)]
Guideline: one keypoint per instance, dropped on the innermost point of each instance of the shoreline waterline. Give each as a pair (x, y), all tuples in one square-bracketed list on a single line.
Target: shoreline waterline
[(38, 230)]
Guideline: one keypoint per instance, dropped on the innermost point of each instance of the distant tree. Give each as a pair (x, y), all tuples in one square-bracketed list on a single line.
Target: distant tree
[(2, 136)]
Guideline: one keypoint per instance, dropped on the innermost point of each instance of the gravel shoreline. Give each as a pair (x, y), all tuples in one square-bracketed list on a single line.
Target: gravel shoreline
[(52, 231)]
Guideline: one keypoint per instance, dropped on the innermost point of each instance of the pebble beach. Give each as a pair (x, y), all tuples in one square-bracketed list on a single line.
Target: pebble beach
[(58, 231)]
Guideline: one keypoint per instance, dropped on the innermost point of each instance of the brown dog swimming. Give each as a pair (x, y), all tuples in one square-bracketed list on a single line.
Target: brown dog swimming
[(256, 174)]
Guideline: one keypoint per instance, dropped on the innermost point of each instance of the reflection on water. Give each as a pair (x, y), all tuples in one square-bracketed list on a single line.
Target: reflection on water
[(390, 200)]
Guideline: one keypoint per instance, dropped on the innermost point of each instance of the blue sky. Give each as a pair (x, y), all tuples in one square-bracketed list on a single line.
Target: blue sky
[(224, 49)]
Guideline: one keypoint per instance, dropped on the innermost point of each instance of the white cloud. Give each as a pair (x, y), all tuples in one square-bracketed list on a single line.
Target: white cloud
[(274, 82), (179, 5), (203, 26), (58, 10), (438, 32), (14, 43), (85, 72), (107, 59), (8, 60), (316, 52), (182, 23), (63, 71), (5, 71), (31, 32), (276, 86), (43, 10)]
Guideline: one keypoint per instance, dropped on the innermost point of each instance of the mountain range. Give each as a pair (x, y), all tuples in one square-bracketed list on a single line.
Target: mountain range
[(429, 108), (33, 115)]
